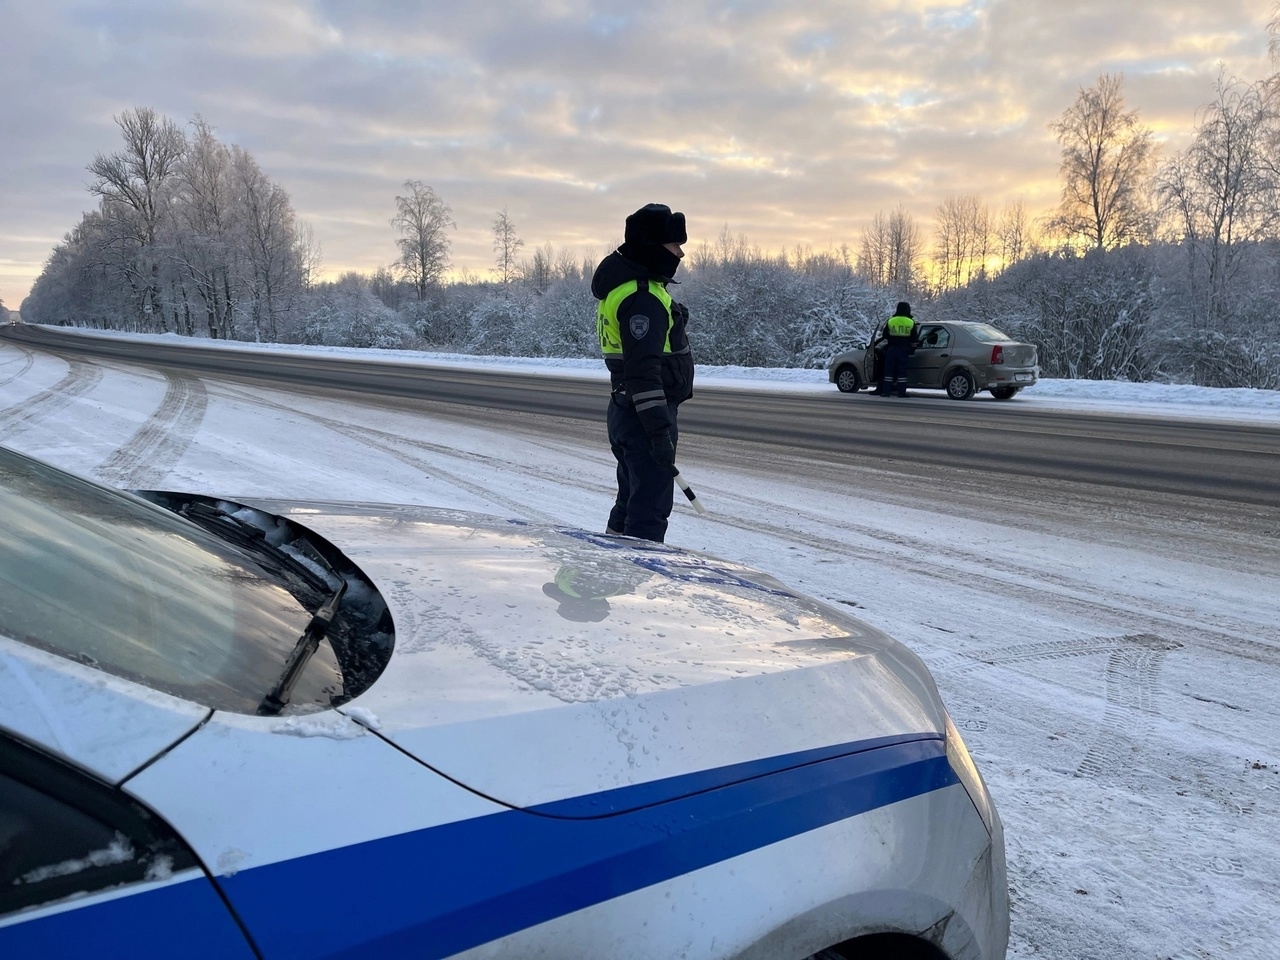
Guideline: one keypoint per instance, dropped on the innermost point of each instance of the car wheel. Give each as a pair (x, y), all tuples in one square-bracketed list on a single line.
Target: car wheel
[(959, 385), (1003, 393), (847, 380)]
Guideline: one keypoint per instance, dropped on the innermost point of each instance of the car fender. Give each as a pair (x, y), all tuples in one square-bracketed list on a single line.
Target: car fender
[(104, 724)]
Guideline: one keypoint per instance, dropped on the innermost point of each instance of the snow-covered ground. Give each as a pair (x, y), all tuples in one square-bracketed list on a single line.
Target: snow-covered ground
[(1111, 661)]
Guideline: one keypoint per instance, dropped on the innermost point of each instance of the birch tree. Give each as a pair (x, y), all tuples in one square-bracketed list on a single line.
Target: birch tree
[(422, 219), (505, 246), (270, 237), (1013, 237), (890, 252), (135, 187), (207, 214), (1108, 158), (1223, 191), (961, 240), (538, 271)]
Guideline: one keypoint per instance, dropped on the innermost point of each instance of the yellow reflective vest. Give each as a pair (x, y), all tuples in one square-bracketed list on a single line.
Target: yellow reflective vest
[(899, 326), (607, 328)]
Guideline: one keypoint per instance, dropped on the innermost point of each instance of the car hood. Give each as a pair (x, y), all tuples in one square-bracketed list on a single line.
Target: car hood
[(535, 663)]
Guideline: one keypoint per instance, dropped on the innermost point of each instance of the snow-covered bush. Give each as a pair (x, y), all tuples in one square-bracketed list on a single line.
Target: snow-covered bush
[(354, 318)]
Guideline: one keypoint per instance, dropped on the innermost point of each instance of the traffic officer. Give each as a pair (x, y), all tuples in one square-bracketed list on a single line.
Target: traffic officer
[(642, 337), (901, 334)]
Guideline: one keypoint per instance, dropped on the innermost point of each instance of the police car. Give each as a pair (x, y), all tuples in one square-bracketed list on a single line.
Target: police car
[(239, 729)]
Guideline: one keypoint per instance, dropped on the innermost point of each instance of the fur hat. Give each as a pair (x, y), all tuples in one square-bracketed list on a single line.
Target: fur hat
[(655, 223), (903, 309)]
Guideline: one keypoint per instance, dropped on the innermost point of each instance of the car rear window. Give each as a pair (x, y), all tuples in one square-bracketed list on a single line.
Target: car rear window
[(988, 334), (109, 580)]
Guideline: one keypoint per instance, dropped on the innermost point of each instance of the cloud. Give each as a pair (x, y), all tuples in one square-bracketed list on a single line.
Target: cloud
[(790, 123)]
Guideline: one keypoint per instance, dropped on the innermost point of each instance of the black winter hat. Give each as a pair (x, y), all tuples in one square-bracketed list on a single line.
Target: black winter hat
[(655, 223), (903, 309)]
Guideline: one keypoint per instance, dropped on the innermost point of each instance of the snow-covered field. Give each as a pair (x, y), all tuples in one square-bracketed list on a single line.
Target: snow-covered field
[(1111, 661)]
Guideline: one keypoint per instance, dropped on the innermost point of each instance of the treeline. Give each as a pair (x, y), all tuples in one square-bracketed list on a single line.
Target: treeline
[(189, 236), (1148, 269)]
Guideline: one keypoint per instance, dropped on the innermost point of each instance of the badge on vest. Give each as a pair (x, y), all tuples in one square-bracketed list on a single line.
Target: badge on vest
[(639, 326)]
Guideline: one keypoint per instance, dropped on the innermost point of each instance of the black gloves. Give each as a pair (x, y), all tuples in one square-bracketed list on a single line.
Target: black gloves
[(663, 450), (679, 312)]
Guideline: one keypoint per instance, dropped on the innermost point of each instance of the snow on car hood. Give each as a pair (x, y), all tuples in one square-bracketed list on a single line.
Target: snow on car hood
[(534, 663)]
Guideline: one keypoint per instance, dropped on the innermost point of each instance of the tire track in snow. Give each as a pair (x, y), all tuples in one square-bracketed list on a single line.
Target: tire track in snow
[(1076, 600), (1133, 692), (80, 379), (391, 444), (1133, 698), (146, 458), (28, 359)]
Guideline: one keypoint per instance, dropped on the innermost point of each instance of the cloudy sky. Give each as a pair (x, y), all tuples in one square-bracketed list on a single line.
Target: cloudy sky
[(788, 122)]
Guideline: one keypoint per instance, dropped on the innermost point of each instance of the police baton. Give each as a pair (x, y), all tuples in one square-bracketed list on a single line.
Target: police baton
[(688, 490)]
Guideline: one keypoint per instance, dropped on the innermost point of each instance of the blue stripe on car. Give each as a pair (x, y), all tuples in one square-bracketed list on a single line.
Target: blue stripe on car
[(633, 797), (435, 892)]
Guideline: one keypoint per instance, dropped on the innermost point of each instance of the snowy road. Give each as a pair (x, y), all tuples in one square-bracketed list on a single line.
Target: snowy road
[(1110, 658)]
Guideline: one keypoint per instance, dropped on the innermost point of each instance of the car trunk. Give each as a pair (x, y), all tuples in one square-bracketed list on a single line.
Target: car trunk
[(1019, 355)]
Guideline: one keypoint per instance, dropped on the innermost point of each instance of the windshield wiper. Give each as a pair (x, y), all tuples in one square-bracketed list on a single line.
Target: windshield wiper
[(307, 644), (234, 530)]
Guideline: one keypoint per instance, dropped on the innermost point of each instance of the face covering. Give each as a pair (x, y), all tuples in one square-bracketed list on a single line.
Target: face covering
[(655, 257)]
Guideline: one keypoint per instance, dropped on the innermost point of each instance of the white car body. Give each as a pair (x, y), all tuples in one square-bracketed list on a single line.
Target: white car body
[(705, 766)]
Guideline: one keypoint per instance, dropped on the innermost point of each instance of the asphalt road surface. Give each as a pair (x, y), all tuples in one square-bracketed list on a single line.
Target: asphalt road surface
[(1010, 443)]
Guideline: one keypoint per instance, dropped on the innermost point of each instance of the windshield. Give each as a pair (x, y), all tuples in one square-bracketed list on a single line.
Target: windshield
[(120, 584), (988, 334)]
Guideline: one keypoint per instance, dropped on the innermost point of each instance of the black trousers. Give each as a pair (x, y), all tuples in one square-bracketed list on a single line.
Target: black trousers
[(645, 488), (896, 359)]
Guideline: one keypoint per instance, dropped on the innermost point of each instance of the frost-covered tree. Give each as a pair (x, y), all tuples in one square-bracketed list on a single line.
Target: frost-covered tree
[(347, 314), (190, 235), (310, 254), (423, 220), (506, 244), (566, 321), (1223, 195), (391, 290), (961, 240), (81, 282), (1014, 238), (541, 269), (1091, 316), (890, 252), (135, 185), (273, 267), (204, 248), (1108, 158)]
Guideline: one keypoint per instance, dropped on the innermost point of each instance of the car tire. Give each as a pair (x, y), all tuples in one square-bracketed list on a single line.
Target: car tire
[(1004, 393), (959, 384), (847, 380)]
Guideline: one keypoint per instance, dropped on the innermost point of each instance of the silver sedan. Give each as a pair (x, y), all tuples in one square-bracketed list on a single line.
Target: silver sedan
[(956, 356)]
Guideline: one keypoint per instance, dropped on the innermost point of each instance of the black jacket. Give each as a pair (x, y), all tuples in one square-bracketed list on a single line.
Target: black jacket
[(644, 368)]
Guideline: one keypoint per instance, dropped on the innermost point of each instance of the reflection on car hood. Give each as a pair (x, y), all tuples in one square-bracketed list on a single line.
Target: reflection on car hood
[(534, 663)]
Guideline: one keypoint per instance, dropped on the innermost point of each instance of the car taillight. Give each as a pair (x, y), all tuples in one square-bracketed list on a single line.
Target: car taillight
[(997, 354)]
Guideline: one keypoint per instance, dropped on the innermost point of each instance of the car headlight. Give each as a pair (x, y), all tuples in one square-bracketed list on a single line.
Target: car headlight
[(967, 771)]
